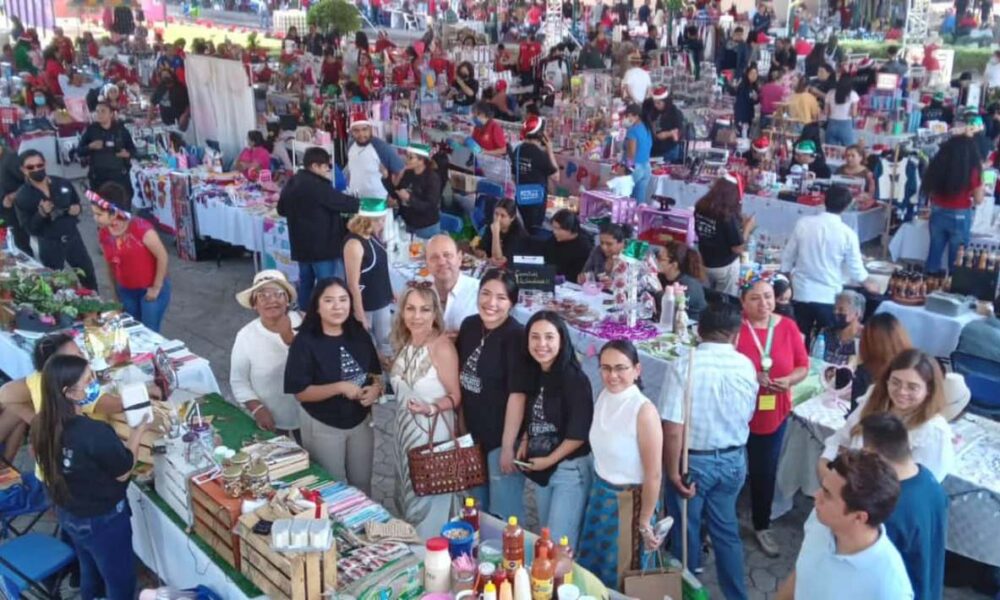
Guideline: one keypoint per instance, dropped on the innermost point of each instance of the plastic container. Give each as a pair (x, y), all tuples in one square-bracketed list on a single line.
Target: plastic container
[(437, 566), (564, 563), (461, 538), (491, 552), (513, 546), (470, 514), (543, 572)]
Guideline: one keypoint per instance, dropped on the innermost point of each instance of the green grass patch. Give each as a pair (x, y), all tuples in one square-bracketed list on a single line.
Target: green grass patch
[(967, 58)]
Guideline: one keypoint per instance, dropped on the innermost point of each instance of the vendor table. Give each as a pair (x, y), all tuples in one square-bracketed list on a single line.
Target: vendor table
[(973, 486), (912, 241), (934, 333), (774, 216)]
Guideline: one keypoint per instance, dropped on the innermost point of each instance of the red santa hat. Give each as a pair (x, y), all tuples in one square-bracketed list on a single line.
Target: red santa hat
[(501, 86), (360, 119), (762, 144), (735, 179), (533, 124), (660, 93)]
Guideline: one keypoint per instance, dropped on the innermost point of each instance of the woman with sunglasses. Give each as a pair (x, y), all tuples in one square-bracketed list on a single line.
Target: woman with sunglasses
[(775, 346), (557, 419), (334, 372), (490, 352), (260, 351), (137, 259), (86, 471), (626, 438)]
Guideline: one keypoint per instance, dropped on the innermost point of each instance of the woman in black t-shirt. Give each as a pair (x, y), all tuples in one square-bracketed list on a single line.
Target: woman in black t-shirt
[(465, 87), (505, 237), (569, 247), (86, 470), (722, 233), (491, 359), (334, 372), (559, 410), (533, 162)]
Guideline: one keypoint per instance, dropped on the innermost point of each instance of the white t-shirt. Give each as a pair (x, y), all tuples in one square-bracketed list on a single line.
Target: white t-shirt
[(638, 82), (841, 112)]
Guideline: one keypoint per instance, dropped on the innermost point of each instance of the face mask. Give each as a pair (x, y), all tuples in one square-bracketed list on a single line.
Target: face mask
[(39, 99), (91, 394), (784, 310), (478, 122), (839, 321), (37, 176)]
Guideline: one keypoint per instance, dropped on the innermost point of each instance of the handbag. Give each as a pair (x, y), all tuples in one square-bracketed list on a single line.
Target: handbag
[(445, 471), (653, 581), (529, 194)]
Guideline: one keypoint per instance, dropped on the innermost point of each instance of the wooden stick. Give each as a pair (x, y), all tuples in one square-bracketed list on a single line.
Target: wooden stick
[(684, 456)]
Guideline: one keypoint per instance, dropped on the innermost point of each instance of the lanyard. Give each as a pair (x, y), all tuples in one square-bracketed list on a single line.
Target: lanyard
[(765, 352)]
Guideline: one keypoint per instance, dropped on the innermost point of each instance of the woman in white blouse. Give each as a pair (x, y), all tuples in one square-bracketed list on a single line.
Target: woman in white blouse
[(257, 365), (911, 388)]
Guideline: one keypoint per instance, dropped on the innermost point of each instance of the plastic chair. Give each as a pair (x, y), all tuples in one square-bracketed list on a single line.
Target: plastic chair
[(26, 499), (983, 378), (451, 223), (27, 562), (488, 193)]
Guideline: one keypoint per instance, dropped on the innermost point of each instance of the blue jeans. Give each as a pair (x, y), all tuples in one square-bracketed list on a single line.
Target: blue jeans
[(148, 312), (503, 495), (311, 272), (719, 478), (426, 233), (641, 175), (840, 132), (763, 452), (570, 484), (104, 548), (950, 228), (674, 155)]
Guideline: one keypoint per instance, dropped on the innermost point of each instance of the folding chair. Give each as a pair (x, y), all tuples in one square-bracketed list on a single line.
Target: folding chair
[(451, 223), (27, 499), (488, 193), (34, 563), (983, 378)]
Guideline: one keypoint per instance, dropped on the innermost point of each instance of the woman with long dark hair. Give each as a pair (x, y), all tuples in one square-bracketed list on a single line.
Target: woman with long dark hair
[(680, 263), (558, 414), (638, 147), (86, 470), (490, 352), (256, 156), (953, 182), (506, 237), (722, 233), (611, 242), (747, 98), (569, 247), (841, 107), (334, 371)]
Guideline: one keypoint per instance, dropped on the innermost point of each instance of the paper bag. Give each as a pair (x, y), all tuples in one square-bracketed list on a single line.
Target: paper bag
[(656, 583)]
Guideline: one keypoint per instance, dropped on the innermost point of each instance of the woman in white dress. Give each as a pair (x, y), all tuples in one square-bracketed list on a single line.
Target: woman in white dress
[(425, 379)]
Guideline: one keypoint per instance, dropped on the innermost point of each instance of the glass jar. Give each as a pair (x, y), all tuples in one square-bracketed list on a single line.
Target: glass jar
[(232, 481), (256, 480)]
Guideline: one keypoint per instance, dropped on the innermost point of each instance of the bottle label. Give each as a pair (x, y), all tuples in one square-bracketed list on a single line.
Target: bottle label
[(512, 565), (541, 589)]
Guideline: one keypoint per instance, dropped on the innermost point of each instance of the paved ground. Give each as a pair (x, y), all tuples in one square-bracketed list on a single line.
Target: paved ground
[(205, 315)]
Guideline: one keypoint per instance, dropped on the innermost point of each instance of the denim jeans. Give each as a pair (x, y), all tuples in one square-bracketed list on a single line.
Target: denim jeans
[(674, 155), (642, 174), (311, 272), (104, 548), (380, 326), (569, 486), (950, 228), (840, 132), (719, 478), (503, 495), (148, 312), (426, 233), (763, 452)]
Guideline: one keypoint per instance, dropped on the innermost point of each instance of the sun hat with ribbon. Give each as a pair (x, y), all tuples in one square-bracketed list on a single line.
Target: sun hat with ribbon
[(106, 206), (660, 92), (533, 124), (805, 147), (265, 277), (372, 207)]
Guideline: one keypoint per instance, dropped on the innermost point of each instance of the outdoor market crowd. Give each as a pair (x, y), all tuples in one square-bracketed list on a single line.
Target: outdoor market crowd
[(318, 356)]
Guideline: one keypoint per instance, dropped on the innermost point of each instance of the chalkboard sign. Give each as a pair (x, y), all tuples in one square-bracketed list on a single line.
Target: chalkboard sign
[(535, 277)]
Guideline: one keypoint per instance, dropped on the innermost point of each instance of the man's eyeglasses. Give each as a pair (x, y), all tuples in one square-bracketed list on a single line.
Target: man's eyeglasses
[(34, 167)]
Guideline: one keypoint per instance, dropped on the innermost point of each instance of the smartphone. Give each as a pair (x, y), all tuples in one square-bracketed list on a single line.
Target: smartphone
[(522, 464)]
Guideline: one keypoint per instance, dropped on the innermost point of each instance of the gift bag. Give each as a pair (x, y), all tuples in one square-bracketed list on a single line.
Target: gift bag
[(654, 581)]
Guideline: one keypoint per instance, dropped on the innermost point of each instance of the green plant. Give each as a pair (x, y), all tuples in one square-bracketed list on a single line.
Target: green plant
[(252, 41), (334, 14)]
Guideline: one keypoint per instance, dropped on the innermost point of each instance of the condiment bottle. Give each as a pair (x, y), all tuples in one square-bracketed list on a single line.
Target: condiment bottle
[(564, 562), (437, 566), (489, 591), (542, 574), (983, 260), (545, 541), (486, 571), (513, 546), (522, 584), (960, 256), (470, 514), (505, 591)]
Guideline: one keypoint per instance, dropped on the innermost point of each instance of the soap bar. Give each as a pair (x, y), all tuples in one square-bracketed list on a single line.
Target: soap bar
[(281, 534)]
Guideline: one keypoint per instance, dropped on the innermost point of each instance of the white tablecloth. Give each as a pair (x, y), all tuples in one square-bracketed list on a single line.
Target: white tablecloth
[(934, 333), (231, 224), (973, 486), (774, 217), (912, 241)]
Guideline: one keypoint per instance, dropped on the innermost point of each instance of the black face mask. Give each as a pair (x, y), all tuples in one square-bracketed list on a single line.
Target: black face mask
[(37, 176), (839, 321)]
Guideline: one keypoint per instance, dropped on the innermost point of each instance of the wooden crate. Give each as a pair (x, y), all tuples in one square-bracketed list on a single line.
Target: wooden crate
[(149, 438), (215, 518), (301, 576), (6, 316)]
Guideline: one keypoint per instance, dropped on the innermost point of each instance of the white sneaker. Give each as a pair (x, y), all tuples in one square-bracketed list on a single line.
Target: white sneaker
[(767, 543)]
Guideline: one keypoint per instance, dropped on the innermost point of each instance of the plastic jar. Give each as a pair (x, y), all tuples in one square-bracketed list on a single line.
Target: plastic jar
[(437, 566)]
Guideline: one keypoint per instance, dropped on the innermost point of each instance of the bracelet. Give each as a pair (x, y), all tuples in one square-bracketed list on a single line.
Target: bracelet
[(253, 413)]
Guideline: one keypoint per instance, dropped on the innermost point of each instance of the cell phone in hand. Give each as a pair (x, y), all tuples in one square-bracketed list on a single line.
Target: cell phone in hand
[(522, 464)]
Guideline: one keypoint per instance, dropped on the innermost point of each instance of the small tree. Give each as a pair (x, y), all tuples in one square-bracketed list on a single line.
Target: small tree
[(339, 15)]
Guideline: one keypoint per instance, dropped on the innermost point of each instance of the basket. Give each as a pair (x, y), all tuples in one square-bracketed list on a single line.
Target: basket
[(445, 471)]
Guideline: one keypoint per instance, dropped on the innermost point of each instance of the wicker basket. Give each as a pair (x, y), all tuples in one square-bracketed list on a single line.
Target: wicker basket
[(445, 471)]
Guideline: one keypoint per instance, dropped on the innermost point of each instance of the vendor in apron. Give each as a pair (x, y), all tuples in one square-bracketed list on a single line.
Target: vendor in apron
[(367, 157)]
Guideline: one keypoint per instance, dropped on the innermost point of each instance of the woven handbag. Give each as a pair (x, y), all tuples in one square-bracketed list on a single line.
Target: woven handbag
[(445, 471)]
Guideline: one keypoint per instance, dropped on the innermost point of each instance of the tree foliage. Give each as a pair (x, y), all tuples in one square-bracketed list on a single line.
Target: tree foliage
[(334, 14)]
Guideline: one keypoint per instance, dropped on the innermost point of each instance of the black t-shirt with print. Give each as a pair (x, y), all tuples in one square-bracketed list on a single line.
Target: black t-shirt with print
[(532, 165), (320, 359), (492, 367), (92, 460), (463, 99), (559, 407), (716, 239)]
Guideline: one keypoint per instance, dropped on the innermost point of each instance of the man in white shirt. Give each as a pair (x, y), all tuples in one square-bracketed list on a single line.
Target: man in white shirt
[(846, 552), (723, 399), (636, 82), (458, 292), (822, 251)]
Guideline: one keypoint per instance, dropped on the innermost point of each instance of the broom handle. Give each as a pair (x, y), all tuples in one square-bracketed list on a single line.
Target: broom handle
[(684, 456)]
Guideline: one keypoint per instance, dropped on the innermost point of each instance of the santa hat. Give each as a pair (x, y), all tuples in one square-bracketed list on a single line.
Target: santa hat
[(501, 86), (865, 63), (762, 144), (735, 179), (360, 119), (533, 124), (660, 93)]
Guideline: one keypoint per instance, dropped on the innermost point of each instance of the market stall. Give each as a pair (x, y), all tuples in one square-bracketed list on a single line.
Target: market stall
[(933, 332)]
